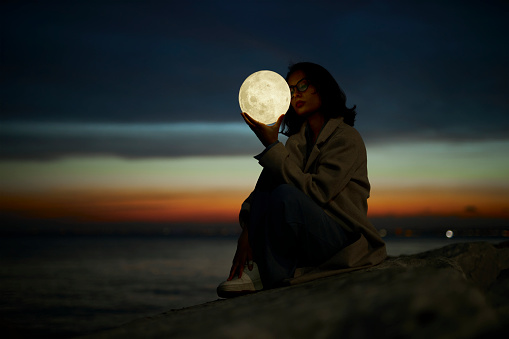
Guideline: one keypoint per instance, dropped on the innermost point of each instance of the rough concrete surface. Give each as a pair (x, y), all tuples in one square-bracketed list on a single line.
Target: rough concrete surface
[(458, 291)]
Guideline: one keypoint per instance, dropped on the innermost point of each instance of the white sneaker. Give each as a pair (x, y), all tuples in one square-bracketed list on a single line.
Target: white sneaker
[(250, 282)]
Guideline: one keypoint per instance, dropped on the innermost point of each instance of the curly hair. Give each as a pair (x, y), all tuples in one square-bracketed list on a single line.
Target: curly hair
[(332, 96)]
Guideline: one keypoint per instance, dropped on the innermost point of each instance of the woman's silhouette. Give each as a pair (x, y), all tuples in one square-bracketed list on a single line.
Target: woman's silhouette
[(307, 216)]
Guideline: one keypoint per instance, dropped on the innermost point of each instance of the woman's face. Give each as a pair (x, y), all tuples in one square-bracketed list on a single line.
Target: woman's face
[(305, 99)]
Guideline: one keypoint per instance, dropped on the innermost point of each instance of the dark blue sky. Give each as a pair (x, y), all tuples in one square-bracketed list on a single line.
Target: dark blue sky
[(78, 77)]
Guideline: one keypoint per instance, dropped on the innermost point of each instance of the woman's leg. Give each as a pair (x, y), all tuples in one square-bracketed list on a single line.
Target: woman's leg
[(287, 230)]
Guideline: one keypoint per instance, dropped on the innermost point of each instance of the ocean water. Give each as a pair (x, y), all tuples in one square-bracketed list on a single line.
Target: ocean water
[(60, 287)]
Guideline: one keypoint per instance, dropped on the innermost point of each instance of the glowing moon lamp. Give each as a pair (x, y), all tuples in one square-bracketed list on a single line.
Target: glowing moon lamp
[(264, 95)]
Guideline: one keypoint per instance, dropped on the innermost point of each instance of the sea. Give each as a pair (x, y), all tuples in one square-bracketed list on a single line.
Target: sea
[(65, 286)]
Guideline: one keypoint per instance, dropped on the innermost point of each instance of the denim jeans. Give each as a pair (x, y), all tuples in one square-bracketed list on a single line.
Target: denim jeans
[(287, 229)]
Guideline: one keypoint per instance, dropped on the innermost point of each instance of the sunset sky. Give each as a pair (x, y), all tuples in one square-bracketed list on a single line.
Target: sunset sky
[(128, 111)]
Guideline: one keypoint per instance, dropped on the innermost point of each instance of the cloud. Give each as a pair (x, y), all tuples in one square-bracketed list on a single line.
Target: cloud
[(414, 71), (50, 141), (46, 141)]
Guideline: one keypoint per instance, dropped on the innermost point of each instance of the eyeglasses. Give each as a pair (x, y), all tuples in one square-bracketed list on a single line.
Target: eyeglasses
[(301, 86)]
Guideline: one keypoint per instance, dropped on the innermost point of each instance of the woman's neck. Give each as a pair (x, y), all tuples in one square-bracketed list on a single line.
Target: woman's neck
[(315, 123)]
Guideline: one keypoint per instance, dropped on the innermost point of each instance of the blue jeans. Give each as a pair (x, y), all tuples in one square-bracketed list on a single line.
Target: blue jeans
[(287, 229)]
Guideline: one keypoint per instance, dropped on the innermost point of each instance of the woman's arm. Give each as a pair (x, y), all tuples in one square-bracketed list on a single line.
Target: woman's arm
[(243, 256), (337, 162), (342, 155)]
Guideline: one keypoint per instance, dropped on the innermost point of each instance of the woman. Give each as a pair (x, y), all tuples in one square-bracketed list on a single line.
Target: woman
[(307, 216)]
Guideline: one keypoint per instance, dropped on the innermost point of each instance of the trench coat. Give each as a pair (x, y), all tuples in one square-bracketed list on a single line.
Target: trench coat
[(335, 176)]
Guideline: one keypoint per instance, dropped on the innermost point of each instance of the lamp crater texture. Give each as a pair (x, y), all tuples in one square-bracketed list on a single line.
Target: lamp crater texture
[(264, 95)]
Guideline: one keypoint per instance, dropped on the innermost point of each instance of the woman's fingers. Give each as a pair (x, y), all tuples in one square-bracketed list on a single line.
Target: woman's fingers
[(237, 269), (250, 118), (243, 256), (237, 266), (249, 122), (232, 272), (266, 134), (241, 270)]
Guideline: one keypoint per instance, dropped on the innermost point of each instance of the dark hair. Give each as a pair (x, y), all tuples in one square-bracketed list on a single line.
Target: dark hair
[(332, 96)]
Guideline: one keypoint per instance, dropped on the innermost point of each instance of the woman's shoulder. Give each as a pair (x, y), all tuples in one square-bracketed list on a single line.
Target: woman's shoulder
[(338, 129), (348, 130)]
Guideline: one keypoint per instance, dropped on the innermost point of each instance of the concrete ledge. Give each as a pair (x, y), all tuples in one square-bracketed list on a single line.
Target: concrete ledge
[(458, 291)]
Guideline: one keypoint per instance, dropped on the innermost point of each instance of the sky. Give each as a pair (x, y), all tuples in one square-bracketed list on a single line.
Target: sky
[(127, 111)]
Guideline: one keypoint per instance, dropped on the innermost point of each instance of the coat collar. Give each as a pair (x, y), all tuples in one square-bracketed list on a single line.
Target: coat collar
[(325, 134)]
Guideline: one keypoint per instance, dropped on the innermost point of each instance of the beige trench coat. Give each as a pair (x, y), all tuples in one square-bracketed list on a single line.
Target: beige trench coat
[(335, 176)]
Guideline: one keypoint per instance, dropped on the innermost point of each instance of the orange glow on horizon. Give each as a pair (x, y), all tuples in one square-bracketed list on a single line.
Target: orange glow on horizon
[(126, 206), (223, 206), (439, 201), (408, 179)]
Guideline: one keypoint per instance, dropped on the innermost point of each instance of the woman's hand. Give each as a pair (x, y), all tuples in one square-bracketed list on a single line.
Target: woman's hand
[(243, 255), (266, 134)]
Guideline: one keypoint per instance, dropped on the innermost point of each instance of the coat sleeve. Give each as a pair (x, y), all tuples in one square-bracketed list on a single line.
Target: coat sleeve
[(336, 163)]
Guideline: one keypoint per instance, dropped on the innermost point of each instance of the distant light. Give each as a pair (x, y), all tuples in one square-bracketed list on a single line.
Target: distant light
[(449, 234), (382, 232)]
